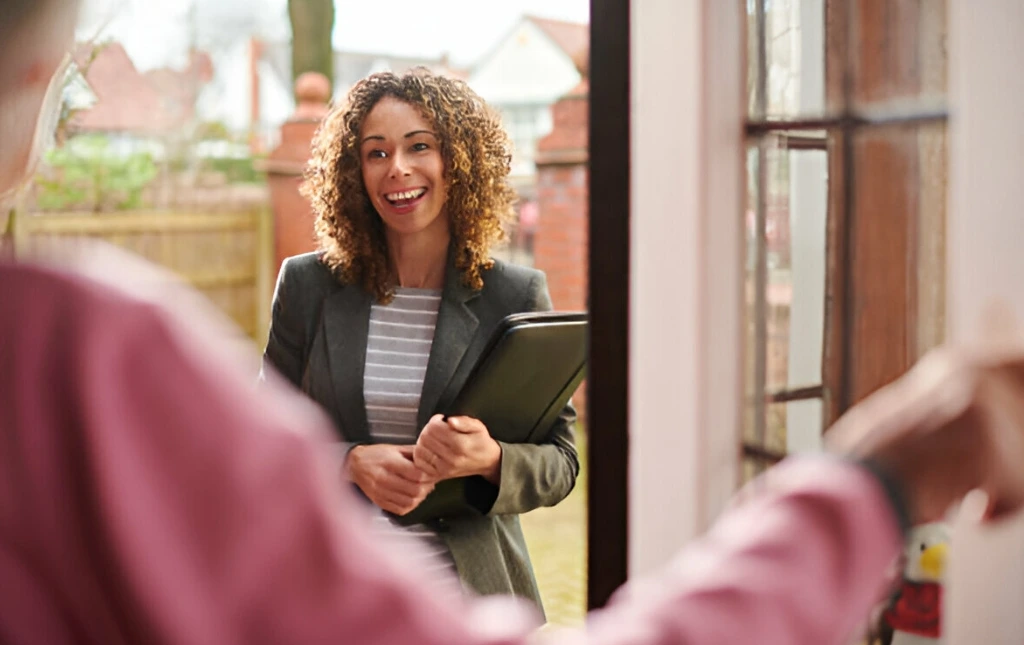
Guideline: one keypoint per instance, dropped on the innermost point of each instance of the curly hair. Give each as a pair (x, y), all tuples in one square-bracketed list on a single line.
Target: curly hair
[(477, 160)]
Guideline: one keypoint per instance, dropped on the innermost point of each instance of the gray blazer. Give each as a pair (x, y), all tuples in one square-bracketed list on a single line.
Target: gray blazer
[(318, 338)]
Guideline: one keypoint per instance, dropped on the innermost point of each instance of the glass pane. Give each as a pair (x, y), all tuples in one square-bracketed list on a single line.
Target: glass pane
[(181, 141), (930, 246), (797, 190), (752, 468), (899, 56), (775, 439), (793, 427), (897, 59), (753, 310), (785, 278), (794, 63), (802, 425), (897, 243)]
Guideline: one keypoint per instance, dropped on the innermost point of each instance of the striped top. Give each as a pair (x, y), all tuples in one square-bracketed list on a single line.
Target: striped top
[(397, 351)]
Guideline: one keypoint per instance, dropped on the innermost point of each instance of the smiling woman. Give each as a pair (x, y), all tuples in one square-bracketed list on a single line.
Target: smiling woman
[(409, 183), (395, 131)]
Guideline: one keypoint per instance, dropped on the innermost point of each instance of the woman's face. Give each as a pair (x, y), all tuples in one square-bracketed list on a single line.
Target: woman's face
[(403, 171)]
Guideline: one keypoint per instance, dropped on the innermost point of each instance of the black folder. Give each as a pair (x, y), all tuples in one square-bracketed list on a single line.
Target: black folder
[(523, 379)]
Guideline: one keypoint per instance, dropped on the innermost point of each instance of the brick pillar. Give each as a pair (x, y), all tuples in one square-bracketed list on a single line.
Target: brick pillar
[(561, 240), (560, 244), (293, 217)]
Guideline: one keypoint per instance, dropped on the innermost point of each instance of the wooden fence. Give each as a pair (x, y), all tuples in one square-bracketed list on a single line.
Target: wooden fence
[(226, 256)]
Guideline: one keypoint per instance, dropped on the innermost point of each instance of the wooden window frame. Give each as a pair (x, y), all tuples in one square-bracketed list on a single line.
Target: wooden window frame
[(984, 262), (861, 301)]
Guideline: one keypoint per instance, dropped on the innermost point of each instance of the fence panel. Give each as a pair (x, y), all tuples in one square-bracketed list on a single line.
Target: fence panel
[(226, 256)]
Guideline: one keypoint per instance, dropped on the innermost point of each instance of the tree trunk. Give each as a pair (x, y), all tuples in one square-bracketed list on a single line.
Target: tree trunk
[(312, 24)]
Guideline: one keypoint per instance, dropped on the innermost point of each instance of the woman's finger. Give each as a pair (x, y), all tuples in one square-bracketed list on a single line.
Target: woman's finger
[(444, 443), (400, 490), (389, 501), (467, 425), (426, 460)]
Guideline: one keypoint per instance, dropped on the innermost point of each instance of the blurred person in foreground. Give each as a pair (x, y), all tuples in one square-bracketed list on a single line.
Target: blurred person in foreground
[(148, 495)]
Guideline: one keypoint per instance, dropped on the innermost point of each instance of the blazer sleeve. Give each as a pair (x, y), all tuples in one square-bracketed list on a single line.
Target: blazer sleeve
[(286, 343), (543, 474)]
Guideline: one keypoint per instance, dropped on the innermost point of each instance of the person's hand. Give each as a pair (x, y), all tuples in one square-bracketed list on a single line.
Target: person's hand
[(388, 476), (952, 424), (458, 448)]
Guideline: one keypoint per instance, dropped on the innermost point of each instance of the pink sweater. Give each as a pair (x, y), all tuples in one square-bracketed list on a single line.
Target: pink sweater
[(149, 495)]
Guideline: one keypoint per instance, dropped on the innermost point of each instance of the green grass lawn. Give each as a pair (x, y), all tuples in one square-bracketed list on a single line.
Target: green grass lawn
[(557, 539)]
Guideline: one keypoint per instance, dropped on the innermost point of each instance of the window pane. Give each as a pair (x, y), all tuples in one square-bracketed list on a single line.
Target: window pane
[(752, 468), (755, 311), (930, 246), (785, 284), (897, 57), (899, 54), (802, 425), (794, 427), (794, 245), (797, 218), (795, 57)]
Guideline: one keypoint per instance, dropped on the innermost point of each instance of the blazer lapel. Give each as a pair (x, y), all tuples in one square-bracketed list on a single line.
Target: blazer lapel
[(456, 326), (346, 330)]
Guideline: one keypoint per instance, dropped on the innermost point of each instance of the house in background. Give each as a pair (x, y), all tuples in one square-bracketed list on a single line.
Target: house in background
[(269, 83), (134, 110), (249, 89), (349, 67), (522, 76)]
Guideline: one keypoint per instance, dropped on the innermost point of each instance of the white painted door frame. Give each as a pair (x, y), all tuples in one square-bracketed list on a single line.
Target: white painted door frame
[(985, 265), (687, 190)]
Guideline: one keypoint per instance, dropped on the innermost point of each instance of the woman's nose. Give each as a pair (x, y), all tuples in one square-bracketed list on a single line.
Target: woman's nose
[(399, 165)]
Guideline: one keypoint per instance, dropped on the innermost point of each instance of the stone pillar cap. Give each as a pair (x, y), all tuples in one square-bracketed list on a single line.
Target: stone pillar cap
[(312, 92)]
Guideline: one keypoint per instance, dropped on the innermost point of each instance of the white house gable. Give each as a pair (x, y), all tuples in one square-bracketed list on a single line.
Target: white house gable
[(525, 68)]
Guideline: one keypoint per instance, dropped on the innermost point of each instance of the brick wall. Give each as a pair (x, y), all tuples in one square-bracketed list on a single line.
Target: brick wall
[(560, 244), (561, 241)]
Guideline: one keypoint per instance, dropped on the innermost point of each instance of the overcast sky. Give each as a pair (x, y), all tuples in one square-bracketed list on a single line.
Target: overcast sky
[(157, 32)]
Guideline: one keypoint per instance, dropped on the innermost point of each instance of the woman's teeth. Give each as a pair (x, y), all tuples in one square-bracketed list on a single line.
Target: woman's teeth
[(405, 195)]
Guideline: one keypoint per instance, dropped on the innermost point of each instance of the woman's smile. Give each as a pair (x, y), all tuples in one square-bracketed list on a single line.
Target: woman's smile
[(406, 201)]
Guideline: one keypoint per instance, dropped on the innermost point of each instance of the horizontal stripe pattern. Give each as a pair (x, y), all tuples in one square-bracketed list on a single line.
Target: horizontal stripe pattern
[(397, 352)]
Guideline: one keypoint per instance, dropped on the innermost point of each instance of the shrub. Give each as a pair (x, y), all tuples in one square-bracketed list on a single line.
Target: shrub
[(88, 175)]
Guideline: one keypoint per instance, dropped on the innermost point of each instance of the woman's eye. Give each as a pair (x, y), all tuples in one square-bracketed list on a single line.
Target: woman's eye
[(419, 147), (376, 154)]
